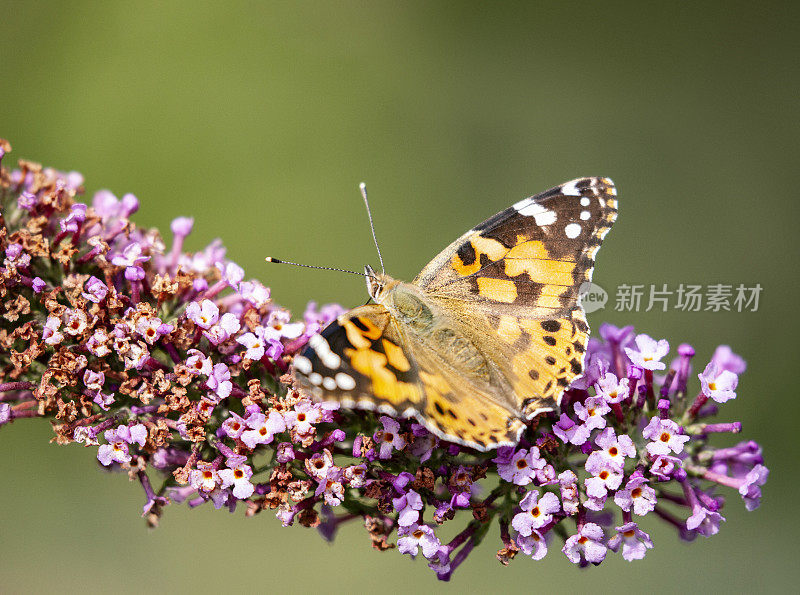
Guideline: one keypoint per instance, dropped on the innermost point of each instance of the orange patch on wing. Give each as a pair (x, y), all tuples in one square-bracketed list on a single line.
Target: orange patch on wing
[(532, 258), (528, 250), (464, 269), (493, 250), (508, 329), (395, 356), (499, 290), (355, 335), (372, 332), (385, 385)]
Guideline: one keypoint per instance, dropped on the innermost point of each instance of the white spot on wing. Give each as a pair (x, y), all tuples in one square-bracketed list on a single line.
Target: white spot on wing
[(345, 381), (522, 204), (315, 378), (585, 215), (573, 230), (329, 383), (323, 351), (570, 189), (585, 201), (302, 364), (542, 215)]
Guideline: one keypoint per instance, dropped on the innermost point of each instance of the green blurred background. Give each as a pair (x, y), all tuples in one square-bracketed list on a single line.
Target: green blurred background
[(260, 119)]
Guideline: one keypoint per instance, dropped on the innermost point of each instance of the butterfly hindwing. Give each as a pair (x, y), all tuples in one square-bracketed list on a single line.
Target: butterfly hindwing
[(361, 361)]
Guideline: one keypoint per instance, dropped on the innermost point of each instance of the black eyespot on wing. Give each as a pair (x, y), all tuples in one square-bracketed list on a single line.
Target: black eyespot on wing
[(551, 326)]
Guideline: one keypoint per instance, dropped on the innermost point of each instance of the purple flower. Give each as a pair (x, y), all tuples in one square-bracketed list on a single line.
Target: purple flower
[(238, 477), (606, 475), (95, 290), (591, 413), (705, 522), (570, 500), (725, 359), (16, 256), (521, 467), (318, 319), (424, 442), (586, 546), (204, 314), (389, 437), (231, 272), (596, 367), (50, 331), (303, 416), (131, 257), (26, 201), (254, 344), (115, 452), (718, 384), (103, 400), (205, 477), (750, 490), (254, 292), (152, 329), (219, 381), (533, 545), (93, 380), (614, 449), (408, 506), (664, 467), (568, 431), (619, 336), (76, 216), (633, 540), (262, 428), (415, 537), (77, 322), (665, 437), (636, 496), (227, 325), (319, 464), (199, 363), (182, 226), (5, 413), (536, 512), (612, 389), (98, 343), (331, 488), (233, 426), (440, 564), (356, 475), (649, 353)]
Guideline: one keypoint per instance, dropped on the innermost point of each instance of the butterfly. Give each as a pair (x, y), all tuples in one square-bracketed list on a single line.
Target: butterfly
[(486, 337)]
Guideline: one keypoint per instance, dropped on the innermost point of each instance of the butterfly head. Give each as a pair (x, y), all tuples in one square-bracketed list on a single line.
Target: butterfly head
[(378, 284)]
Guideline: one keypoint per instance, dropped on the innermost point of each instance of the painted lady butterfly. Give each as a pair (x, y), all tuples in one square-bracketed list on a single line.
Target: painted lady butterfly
[(488, 335)]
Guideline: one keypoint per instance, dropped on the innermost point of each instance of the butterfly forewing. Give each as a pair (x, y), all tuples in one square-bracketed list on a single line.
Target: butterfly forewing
[(520, 272)]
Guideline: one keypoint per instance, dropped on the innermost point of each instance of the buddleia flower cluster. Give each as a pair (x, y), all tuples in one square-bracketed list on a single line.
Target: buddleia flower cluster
[(171, 367)]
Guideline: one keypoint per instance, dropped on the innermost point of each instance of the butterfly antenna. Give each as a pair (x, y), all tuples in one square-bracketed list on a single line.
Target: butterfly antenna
[(363, 187), (311, 266)]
